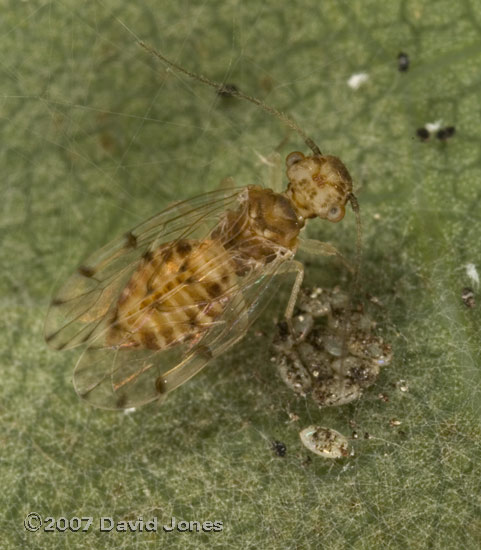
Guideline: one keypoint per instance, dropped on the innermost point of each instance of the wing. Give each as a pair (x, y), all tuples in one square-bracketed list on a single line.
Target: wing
[(83, 307), (130, 378)]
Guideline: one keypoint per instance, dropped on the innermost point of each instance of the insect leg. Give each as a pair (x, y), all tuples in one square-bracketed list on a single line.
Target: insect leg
[(319, 248), (298, 268)]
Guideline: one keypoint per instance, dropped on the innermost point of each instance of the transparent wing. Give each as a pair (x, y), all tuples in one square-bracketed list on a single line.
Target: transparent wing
[(130, 378), (83, 307)]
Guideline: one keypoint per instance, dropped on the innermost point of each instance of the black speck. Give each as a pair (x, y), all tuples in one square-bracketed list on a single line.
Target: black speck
[(279, 448), (403, 62), (445, 133), (422, 134), (283, 329)]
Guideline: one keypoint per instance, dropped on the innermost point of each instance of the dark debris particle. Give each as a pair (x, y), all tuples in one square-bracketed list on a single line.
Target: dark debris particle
[(86, 271), (283, 328), (160, 386), (403, 62), (227, 90), (422, 134), (121, 401), (279, 448), (445, 133), (307, 461), (130, 240), (468, 297)]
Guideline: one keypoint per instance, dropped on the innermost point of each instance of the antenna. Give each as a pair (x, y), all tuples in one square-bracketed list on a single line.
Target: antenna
[(236, 93)]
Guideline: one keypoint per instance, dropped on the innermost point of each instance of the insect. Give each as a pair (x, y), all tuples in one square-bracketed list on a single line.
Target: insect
[(155, 306)]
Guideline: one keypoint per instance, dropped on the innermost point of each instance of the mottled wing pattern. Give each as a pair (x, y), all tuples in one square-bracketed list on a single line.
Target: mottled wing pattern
[(133, 377), (82, 310)]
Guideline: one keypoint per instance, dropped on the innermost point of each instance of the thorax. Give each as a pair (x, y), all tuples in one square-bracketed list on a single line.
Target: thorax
[(264, 226)]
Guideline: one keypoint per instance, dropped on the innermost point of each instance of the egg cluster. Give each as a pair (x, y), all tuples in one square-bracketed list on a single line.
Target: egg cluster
[(329, 351)]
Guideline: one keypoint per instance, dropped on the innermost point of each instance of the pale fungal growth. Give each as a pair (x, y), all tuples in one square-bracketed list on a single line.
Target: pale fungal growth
[(324, 442), (432, 127), (330, 352), (473, 275), (356, 80)]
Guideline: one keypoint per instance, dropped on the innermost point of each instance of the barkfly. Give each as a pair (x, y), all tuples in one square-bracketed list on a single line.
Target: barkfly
[(155, 306)]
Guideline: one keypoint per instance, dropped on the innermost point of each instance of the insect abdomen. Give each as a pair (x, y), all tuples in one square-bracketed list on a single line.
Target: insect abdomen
[(178, 291)]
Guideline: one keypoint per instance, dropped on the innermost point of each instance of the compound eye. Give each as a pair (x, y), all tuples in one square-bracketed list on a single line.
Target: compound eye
[(294, 158), (336, 213)]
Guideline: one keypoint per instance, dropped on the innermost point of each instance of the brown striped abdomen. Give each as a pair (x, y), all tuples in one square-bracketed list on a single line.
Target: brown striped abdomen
[(176, 293)]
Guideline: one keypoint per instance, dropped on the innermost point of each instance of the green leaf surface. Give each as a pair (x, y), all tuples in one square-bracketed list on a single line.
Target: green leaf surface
[(97, 136)]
